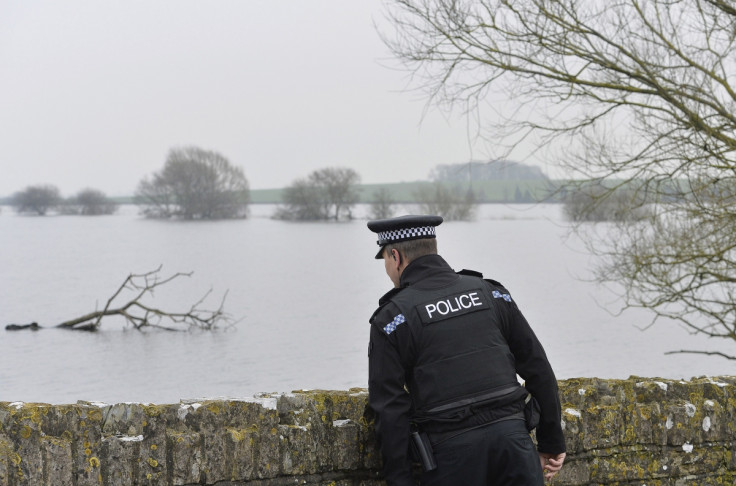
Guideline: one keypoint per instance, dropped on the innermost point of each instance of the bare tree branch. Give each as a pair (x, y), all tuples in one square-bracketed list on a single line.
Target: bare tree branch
[(634, 98), (141, 315), (709, 353)]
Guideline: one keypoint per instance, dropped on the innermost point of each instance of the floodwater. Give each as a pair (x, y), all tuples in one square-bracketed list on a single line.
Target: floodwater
[(302, 292)]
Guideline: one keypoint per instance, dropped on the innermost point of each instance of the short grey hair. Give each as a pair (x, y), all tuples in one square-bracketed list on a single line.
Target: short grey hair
[(413, 249)]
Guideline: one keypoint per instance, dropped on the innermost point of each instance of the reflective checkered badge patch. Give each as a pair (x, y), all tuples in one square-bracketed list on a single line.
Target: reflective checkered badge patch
[(391, 326), (499, 295)]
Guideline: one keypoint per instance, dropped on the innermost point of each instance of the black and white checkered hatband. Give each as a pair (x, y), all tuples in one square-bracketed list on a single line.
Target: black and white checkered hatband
[(405, 234)]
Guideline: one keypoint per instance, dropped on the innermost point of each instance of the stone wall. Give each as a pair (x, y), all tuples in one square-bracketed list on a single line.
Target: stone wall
[(634, 432)]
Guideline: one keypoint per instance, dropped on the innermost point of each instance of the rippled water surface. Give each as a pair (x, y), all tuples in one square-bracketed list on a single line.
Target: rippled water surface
[(303, 291)]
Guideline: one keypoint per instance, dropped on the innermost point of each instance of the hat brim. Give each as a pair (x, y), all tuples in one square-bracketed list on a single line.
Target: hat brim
[(379, 255)]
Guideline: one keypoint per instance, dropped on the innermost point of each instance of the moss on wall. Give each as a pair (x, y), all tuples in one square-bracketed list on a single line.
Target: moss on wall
[(619, 432)]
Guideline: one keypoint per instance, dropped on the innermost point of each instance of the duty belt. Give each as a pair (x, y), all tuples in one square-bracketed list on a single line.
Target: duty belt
[(458, 410), (438, 437)]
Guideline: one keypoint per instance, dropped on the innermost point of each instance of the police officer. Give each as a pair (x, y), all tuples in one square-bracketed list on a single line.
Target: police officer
[(445, 350)]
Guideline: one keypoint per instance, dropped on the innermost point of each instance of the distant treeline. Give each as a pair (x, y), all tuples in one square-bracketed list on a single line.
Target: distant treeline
[(505, 191), (491, 182), (496, 191)]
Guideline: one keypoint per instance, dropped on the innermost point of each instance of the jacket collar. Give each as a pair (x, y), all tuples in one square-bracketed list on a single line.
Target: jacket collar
[(427, 267)]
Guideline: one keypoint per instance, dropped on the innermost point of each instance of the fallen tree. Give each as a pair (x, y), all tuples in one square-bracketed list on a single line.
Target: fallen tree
[(141, 315)]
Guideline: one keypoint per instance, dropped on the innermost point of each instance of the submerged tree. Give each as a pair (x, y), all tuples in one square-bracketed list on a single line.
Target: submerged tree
[(90, 202), (36, 199), (328, 193), (452, 202), (382, 204), (302, 202), (195, 184), (624, 93), (141, 314), (595, 203)]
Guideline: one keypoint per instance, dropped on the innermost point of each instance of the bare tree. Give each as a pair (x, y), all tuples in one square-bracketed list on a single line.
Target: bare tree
[(195, 184), (339, 187), (382, 204), (328, 193), (492, 170), (595, 203), (141, 315), (302, 202), (36, 199), (90, 202), (624, 93), (450, 201), (157, 198)]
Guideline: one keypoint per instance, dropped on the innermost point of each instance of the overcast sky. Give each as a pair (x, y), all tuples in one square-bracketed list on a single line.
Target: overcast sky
[(94, 93)]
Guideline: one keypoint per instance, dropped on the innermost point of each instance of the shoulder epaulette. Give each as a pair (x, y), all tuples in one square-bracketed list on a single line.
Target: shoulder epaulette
[(384, 301), (471, 273), (494, 282), (499, 292), (387, 296)]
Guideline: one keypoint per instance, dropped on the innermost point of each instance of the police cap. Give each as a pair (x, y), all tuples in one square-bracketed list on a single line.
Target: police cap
[(403, 228)]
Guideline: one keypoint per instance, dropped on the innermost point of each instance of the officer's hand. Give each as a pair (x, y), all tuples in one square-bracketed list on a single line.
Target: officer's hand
[(551, 463)]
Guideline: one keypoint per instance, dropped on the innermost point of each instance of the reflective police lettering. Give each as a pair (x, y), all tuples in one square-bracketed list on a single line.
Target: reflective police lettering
[(451, 306), (455, 304)]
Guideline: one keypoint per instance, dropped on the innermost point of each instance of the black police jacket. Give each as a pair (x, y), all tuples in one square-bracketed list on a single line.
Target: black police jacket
[(444, 352), (461, 362)]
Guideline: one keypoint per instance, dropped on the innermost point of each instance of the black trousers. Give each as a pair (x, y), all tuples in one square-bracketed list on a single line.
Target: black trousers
[(498, 454)]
